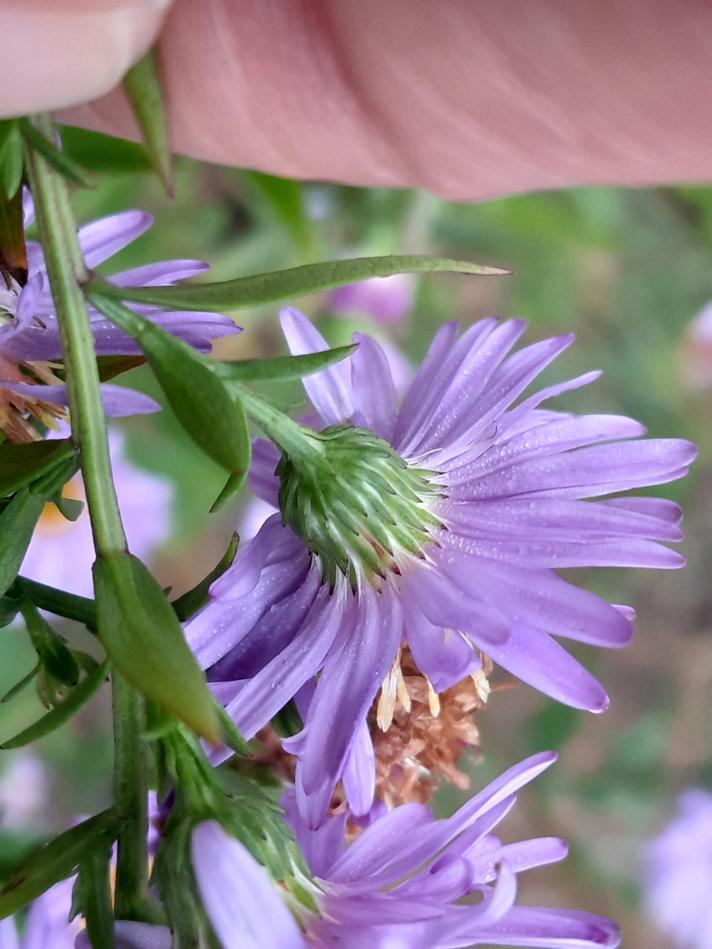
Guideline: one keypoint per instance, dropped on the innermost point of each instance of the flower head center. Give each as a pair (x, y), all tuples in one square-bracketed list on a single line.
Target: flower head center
[(358, 506), (419, 736)]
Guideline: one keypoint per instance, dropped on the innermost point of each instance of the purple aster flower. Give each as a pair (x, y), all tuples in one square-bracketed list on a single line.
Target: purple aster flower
[(695, 357), (383, 299), (439, 525), (29, 332), (61, 552), (399, 884), (678, 874)]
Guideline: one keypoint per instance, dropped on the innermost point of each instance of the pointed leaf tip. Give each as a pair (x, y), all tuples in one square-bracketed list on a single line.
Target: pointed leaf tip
[(143, 88), (144, 639), (282, 367), (288, 284)]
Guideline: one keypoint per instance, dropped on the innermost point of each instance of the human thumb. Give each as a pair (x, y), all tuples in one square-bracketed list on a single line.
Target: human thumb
[(58, 53)]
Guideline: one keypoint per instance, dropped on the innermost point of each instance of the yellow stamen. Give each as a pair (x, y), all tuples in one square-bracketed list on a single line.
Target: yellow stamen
[(482, 686), (433, 699), (402, 688)]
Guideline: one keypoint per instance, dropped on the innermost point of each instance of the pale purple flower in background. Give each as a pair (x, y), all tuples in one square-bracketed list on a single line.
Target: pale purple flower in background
[(696, 352), (504, 505), (47, 925), (29, 331), (677, 874), (61, 552), (24, 789), (383, 299), (399, 884)]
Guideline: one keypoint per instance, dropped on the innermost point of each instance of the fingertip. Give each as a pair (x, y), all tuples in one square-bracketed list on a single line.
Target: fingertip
[(65, 53)]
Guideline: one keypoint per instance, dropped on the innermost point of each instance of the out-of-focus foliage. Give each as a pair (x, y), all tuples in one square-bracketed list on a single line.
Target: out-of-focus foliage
[(627, 271)]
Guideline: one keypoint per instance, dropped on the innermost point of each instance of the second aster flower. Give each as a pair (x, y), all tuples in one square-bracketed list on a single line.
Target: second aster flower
[(30, 345), (438, 525), (407, 881), (678, 873)]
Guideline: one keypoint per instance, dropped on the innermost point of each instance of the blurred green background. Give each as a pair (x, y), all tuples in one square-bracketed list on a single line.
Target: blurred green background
[(627, 271)]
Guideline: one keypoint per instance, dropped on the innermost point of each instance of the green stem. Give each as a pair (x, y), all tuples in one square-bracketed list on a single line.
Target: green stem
[(62, 257), (69, 605), (65, 269), (292, 439), (130, 799)]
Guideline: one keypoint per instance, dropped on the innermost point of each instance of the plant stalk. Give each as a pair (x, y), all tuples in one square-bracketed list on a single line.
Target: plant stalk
[(66, 272)]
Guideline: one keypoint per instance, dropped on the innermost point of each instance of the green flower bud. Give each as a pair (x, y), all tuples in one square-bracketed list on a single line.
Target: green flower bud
[(357, 504)]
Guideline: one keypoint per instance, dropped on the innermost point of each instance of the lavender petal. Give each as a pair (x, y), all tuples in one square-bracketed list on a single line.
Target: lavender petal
[(359, 775), (160, 274), (328, 389), (373, 390), (106, 236), (116, 400), (537, 659), (349, 681), (243, 905), (542, 928)]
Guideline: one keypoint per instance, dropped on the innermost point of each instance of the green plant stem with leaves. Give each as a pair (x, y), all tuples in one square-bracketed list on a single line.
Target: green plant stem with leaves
[(66, 271)]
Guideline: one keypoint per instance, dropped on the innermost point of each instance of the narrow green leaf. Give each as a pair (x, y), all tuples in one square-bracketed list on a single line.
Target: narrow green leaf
[(209, 412), (103, 153), (230, 735), (7, 130), (281, 367), (143, 89), (286, 284), (191, 601), (51, 481), (53, 653), (228, 491), (55, 861), (56, 157), (144, 639), (76, 699), (13, 249), (111, 366), (19, 686), (17, 522), (11, 162), (20, 464)]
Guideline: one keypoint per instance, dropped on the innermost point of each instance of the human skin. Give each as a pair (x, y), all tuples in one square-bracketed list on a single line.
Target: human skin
[(467, 98)]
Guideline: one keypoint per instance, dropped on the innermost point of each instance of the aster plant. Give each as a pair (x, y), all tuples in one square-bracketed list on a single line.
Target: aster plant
[(434, 526), (342, 652)]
